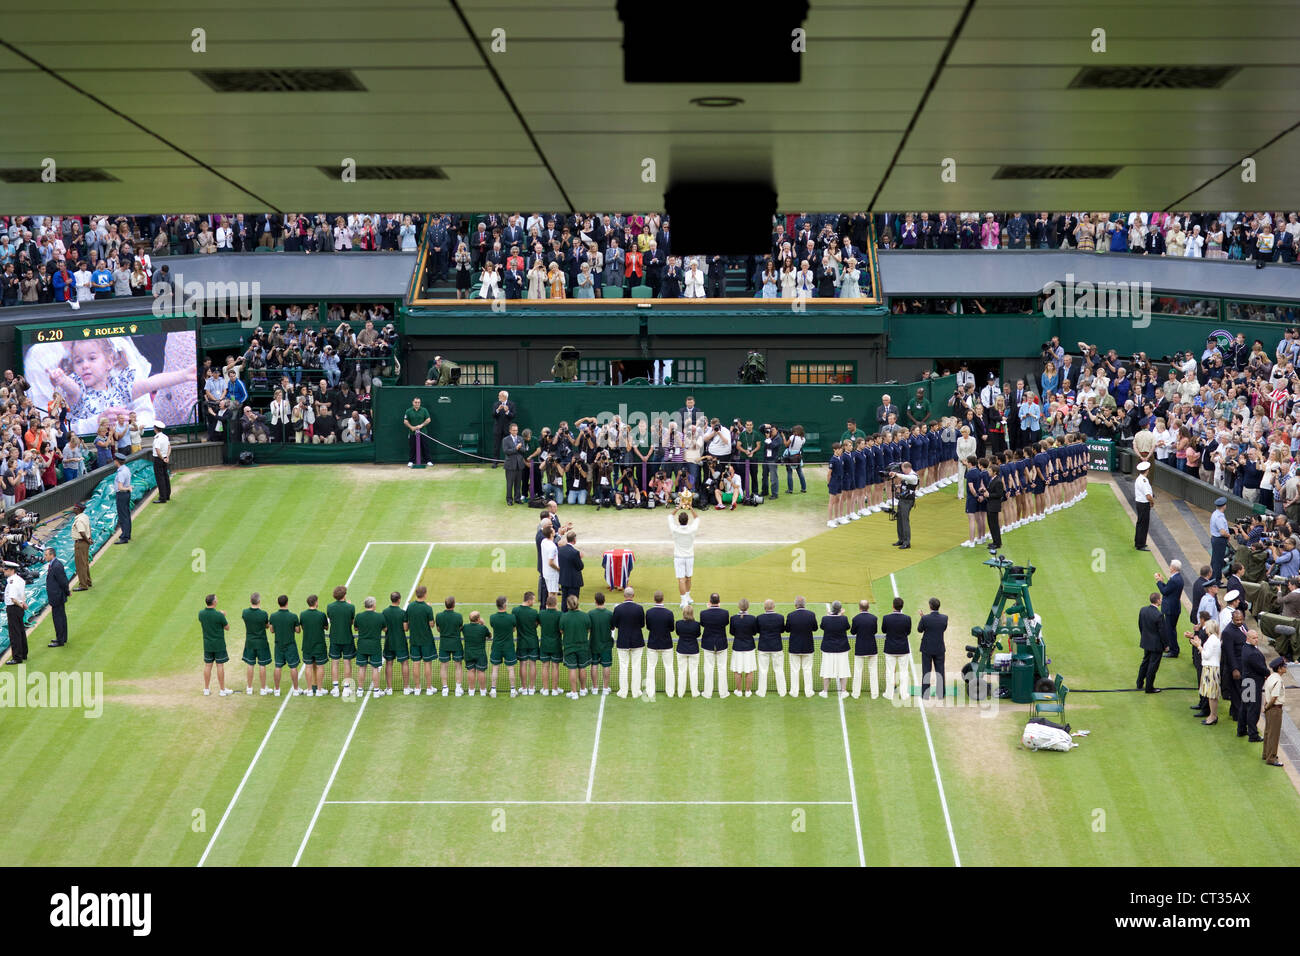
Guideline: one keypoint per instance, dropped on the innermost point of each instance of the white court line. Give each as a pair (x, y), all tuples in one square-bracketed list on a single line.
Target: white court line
[(595, 748), (853, 789), (588, 803), (249, 772), (360, 710), (934, 761)]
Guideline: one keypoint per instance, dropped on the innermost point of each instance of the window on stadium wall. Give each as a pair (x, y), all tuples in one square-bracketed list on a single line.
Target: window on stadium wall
[(478, 373), (821, 373), (1183, 305), (1243, 311)]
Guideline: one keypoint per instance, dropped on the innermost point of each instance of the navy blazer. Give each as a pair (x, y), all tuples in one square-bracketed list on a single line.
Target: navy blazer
[(771, 626), (1171, 594), (931, 627), (896, 628), (659, 625), (56, 582), (800, 625), (864, 629), (570, 563), (628, 619), (744, 628), (714, 622)]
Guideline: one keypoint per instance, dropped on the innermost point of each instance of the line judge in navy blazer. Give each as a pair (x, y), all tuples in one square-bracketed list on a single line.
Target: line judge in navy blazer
[(628, 620), (57, 591), (800, 624)]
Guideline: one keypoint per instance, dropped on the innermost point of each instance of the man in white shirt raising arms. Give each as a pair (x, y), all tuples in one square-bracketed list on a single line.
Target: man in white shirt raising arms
[(684, 528)]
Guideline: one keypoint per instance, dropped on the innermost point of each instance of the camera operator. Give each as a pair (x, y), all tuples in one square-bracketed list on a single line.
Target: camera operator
[(906, 480), (717, 441), (773, 446), (1284, 559)]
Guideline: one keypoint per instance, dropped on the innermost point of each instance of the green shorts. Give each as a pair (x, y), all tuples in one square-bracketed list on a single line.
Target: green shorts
[(476, 659), (549, 652), (347, 651), (287, 654), (527, 650), (450, 650), (504, 651), (396, 650), (215, 657), (424, 652), (372, 659), (257, 652), (577, 658), (318, 656), (602, 656)]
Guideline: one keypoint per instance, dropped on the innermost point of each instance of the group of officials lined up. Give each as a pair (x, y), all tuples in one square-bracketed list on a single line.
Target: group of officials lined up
[(584, 641)]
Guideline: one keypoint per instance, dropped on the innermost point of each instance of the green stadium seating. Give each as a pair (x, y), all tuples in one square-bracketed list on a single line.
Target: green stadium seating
[(611, 292), (641, 292)]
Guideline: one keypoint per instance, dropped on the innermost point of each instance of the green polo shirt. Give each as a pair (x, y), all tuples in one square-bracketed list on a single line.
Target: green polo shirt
[(213, 624), (850, 436), (314, 624), (283, 623), (548, 619), (526, 622), (575, 626), (419, 622), (601, 633), (255, 621), (419, 417), (449, 624), (370, 632), (918, 409), (342, 615), (475, 638), (394, 621), (747, 439), (503, 626)]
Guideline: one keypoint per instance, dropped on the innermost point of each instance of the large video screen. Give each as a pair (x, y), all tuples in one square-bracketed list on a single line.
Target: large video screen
[(101, 374)]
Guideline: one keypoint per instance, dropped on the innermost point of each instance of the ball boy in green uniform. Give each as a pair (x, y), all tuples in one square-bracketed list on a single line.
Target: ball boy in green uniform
[(213, 626), (256, 648), (575, 627), (419, 627), (395, 648), (314, 623), (476, 660), (527, 648), (602, 642), (342, 617), (449, 624), (548, 620), (370, 655), (503, 645), (284, 625)]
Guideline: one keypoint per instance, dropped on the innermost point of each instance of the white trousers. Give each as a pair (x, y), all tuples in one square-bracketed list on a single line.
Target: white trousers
[(801, 664), (712, 660), (773, 660), (867, 663), (903, 663), (629, 670), (688, 665), (653, 657)]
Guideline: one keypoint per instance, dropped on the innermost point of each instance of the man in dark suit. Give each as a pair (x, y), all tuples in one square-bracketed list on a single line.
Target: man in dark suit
[(800, 625), (627, 620), (1233, 638), (1254, 671), (993, 513), (931, 628), (713, 645), (512, 450), (503, 415), (865, 627), (570, 562), (57, 590), (1152, 642), (690, 415), (1171, 605), (896, 628)]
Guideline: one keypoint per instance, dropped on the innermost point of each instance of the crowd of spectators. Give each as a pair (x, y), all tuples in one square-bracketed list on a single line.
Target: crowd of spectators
[(81, 258), (1260, 236), (318, 379), (40, 450)]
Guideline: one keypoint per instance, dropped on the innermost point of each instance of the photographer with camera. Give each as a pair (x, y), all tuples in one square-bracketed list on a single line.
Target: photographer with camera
[(905, 481)]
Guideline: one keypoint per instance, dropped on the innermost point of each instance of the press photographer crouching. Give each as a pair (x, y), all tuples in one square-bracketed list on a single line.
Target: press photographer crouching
[(16, 544)]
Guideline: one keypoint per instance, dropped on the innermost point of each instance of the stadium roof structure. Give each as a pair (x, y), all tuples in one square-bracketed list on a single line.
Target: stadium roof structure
[(250, 105)]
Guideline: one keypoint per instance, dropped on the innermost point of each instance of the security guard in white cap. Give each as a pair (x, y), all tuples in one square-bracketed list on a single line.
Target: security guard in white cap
[(1143, 497)]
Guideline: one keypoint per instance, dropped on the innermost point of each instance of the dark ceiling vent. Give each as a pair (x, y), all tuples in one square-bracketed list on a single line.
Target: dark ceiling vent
[(62, 174), (281, 81), (1152, 77), (388, 172), (1056, 172)]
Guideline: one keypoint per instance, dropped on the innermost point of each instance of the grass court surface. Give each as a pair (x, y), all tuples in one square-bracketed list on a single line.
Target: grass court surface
[(169, 777)]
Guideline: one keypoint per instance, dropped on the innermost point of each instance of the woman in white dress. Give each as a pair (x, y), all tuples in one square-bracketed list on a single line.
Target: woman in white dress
[(1164, 441), (1195, 244), (849, 280), (787, 280), (771, 282), (965, 450), (694, 281)]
